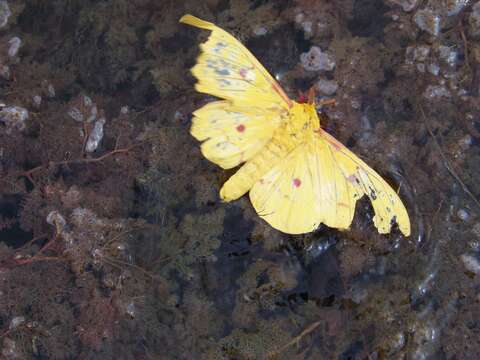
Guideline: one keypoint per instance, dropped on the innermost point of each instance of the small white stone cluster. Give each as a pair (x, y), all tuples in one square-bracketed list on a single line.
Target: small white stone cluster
[(317, 60), (13, 117), (87, 111)]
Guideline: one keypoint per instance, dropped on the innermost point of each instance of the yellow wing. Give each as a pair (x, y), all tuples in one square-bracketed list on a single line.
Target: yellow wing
[(226, 69), (386, 203), (320, 183), (232, 134)]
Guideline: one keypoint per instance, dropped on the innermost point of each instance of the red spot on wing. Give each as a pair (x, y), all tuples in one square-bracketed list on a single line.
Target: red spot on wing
[(243, 73), (240, 128), (297, 182)]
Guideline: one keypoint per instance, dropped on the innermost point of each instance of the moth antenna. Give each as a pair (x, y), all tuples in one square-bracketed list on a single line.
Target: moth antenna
[(311, 95)]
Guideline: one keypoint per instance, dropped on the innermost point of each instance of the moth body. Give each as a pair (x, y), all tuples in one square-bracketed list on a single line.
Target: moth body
[(298, 126)]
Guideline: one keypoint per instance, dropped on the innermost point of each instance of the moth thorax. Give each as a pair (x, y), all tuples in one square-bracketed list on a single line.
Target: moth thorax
[(313, 119)]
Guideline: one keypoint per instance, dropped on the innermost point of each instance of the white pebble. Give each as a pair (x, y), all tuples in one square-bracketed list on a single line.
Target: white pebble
[(421, 52), (471, 263), (131, 310), (316, 60), (436, 91), (14, 117), (407, 5), (93, 114), (455, 6), (448, 54), (307, 27), (37, 100), (75, 114), (95, 136), (14, 43), (327, 87), (5, 13), (463, 214), (474, 20), (56, 219), (50, 91), (87, 101), (260, 31), (299, 18), (434, 69), (16, 322), (428, 20)]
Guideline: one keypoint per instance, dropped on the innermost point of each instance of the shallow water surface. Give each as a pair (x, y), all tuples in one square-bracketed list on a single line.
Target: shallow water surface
[(115, 244)]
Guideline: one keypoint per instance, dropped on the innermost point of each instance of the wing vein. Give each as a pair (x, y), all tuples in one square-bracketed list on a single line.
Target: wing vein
[(335, 181)]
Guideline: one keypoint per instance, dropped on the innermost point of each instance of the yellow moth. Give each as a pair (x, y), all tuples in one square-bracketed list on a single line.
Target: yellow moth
[(298, 175)]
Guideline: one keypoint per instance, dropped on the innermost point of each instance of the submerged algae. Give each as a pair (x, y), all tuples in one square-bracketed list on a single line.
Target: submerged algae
[(202, 279)]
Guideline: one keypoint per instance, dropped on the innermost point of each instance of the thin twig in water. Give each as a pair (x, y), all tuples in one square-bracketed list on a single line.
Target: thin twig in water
[(465, 46), (118, 263), (446, 162), (123, 233), (434, 219), (30, 242), (37, 259), (29, 173), (299, 337)]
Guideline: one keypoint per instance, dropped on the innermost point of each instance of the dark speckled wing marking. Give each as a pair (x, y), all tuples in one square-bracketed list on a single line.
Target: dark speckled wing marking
[(364, 180), (226, 69)]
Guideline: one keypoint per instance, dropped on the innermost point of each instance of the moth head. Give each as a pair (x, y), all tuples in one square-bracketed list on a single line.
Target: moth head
[(307, 97), (313, 121)]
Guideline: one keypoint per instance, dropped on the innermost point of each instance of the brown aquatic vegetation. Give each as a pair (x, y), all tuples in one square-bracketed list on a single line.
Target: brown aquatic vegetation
[(157, 266)]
